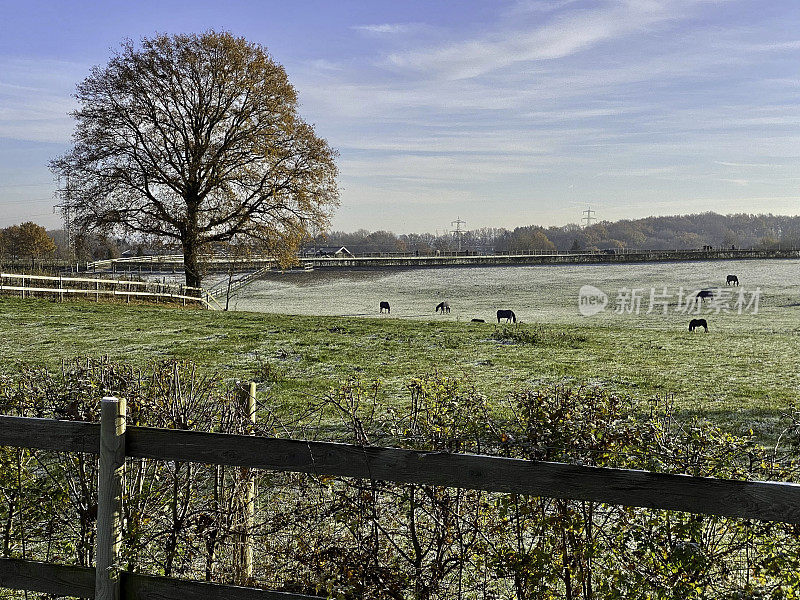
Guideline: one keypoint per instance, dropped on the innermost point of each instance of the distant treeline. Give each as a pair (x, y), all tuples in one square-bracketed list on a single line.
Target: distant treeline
[(682, 232)]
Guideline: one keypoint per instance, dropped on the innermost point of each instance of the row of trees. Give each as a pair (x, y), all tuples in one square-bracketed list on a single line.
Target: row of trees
[(345, 538), (29, 240), (684, 232)]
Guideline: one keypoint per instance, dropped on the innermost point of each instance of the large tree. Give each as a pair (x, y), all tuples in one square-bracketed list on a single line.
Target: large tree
[(196, 138)]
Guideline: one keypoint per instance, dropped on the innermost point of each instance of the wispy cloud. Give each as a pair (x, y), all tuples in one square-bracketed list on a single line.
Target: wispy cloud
[(791, 45), (642, 172), (640, 105), (35, 98), (523, 7), (565, 34), (747, 165), (389, 28), (647, 126)]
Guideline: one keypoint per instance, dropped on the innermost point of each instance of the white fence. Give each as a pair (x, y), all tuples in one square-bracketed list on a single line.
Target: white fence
[(60, 287)]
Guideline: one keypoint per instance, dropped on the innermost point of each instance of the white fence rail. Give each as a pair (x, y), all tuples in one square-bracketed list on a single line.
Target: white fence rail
[(61, 287)]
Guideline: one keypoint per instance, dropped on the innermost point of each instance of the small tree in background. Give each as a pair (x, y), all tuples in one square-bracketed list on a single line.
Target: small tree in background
[(27, 240)]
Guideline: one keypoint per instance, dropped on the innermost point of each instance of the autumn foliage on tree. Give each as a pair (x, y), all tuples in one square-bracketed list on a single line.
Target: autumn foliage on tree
[(197, 139), (27, 240)]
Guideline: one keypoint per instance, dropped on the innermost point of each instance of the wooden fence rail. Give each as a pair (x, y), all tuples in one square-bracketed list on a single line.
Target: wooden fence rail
[(764, 500), (772, 501), (79, 582)]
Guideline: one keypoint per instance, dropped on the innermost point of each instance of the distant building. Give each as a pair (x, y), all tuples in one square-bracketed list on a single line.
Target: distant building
[(342, 252)]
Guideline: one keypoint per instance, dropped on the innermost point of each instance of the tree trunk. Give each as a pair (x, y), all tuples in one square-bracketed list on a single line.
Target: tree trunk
[(191, 262)]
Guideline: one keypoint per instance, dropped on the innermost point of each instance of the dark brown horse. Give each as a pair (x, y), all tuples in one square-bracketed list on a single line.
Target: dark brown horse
[(695, 323), (385, 306), (508, 315), (732, 279), (703, 294), (444, 307)]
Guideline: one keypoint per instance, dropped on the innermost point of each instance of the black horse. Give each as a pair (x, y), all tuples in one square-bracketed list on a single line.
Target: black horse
[(732, 279), (444, 307), (385, 306), (508, 315), (703, 294), (695, 323)]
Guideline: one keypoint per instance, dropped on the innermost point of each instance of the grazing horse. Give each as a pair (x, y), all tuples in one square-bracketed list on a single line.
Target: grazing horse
[(385, 306), (732, 279), (508, 315), (444, 307), (695, 323), (703, 294)]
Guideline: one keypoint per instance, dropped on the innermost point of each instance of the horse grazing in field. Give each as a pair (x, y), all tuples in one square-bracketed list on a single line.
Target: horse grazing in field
[(732, 279), (444, 307), (695, 323), (703, 294), (385, 306), (508, 315)]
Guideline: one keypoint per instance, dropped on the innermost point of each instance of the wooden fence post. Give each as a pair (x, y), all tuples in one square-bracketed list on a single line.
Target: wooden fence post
[(109, 498), (250, 500)]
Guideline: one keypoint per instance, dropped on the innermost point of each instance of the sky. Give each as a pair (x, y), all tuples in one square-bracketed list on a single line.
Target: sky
[(501, 113)]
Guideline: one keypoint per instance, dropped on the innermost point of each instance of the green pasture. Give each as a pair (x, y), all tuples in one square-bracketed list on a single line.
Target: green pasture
[(736, 375)]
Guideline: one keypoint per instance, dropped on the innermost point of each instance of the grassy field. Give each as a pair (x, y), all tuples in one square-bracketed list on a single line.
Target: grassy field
[(739, 378)]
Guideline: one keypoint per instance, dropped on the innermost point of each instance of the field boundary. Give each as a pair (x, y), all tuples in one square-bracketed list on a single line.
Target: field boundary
[(763, 500), (113, 441), (61, 287), (174, 263)]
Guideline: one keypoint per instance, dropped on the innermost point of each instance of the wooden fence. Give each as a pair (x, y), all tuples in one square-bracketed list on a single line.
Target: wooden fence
[(61, 287), (225, 290), (771, 501)]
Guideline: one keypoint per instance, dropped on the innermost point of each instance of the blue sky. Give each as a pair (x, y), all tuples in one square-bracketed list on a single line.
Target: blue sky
[(502, 113)]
